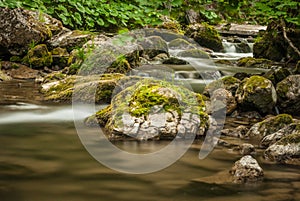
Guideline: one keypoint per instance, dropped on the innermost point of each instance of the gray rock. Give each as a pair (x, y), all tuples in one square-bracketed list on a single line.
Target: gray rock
[(239, 132), (222, 99), (20, 28), (247, 149), (273, 138), (286, 150), (246, 170), (288, 91)]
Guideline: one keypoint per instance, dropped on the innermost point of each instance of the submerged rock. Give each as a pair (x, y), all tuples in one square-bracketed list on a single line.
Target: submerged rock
[(288, 91), (152, 109), (269, 126), (20, 28), (256, 93), (246, 170), (286, 150)]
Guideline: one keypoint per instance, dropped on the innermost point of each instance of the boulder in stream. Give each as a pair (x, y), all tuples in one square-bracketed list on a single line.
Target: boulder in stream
[(153, 109), (20, 28), (288, 91), (246, 170), (256, 93)]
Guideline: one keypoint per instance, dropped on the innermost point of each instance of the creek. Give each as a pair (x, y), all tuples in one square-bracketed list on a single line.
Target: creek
[(42, 158)]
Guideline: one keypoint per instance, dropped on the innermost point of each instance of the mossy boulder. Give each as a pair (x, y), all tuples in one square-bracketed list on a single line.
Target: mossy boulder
[(250, 62), (38, 57), (206, 36), (88, 88), (171, 24), (270, 126), (286, 150), (277, 75), (153, 109), (167, 35), (272, 45), (289, 94), (256, 93), (229, 83), (193, 53)]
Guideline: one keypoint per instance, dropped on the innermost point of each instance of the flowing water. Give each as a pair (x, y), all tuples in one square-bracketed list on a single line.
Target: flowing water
[(42, 158)]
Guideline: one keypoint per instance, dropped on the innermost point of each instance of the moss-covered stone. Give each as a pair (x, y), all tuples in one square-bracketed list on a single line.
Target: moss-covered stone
[(229, 83), (277, 75), (206, 36), (194, 53), (153, 46), (38, 57), (256, 93), (224, 62), (270, 125), (139, 101), (171, 24), (250, 62), (60, 56), (121, 65), (289, 94), (88, 89)]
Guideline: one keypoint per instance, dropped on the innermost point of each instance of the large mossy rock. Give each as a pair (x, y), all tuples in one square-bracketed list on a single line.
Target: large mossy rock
[(288, 91), (273, 46), (250, 62), (38, 57), (152, 109), (61, 88), (256, 93), (286, 150), (229, 83), (20, 28), (153, 46), (206, 36), (269, 126)]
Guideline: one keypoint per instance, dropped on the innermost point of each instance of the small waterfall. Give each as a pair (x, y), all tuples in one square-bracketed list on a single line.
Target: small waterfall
[(228, 46)]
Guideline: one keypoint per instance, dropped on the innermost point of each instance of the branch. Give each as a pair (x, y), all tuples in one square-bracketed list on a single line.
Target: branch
[(288, 40)]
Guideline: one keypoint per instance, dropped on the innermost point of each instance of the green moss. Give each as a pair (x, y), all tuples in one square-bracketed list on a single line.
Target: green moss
[(250, 62), (121, 65), (224, 62), (15, 59), (252, 83), (278, 121), (290, 139), (230, 83), (38, 56), (282, 88)]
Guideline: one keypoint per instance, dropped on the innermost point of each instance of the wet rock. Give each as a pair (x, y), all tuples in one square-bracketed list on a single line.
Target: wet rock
[(229, 83), (269, 126), (166, 35), (89, 89), (256, 93), (152, 110), (277, 75), (70, 39), (206, 36), (175, 61), (246, 149), (18, 71), (20, 28), (194, 53), (154, 45), (285, 131), (38, 57), (246, 170), (222, 100), (250, 62), (239, 131), (288, 91), (180, 43), (243, 47), (286, 150)]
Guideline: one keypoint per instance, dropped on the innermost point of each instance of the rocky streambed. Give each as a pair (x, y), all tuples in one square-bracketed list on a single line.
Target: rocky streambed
[(160, 85)]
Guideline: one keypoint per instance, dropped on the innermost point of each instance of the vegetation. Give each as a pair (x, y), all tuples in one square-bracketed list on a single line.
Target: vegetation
[(104, 14)]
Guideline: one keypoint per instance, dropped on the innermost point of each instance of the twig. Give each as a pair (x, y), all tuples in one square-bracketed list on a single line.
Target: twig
[(288, 40)]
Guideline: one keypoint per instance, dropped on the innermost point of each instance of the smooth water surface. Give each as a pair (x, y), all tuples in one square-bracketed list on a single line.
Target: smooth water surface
[(43, 159)]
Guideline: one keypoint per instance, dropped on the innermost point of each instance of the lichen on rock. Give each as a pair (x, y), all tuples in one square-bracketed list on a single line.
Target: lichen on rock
[(38, 57)]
